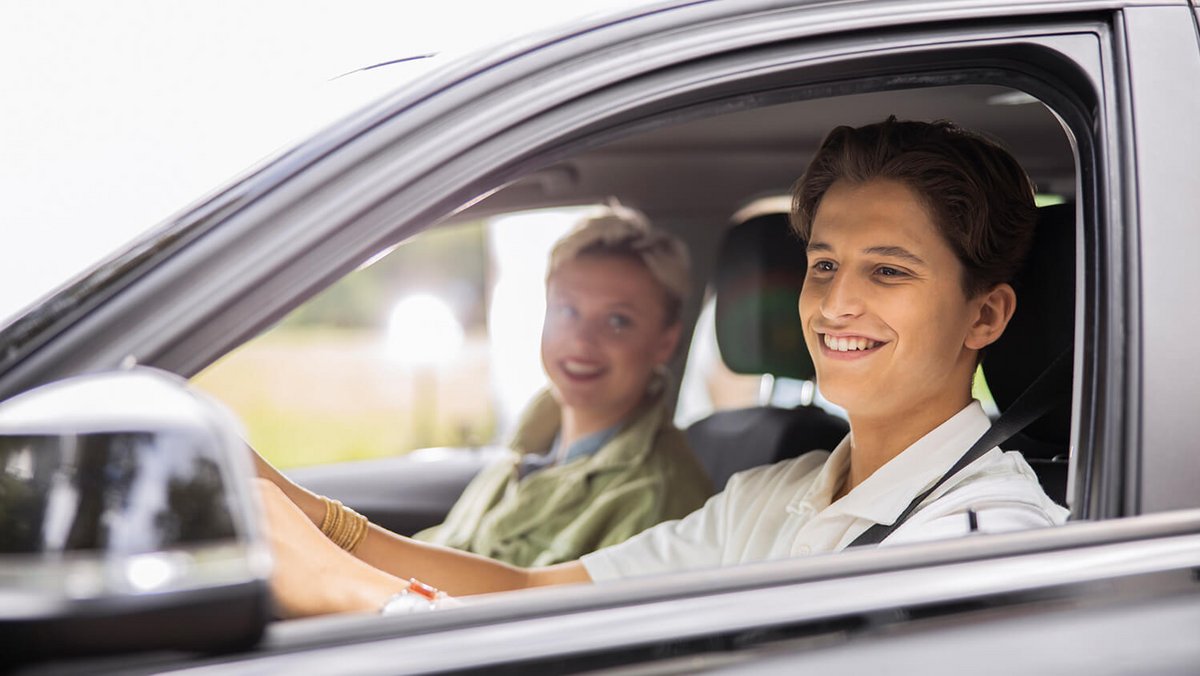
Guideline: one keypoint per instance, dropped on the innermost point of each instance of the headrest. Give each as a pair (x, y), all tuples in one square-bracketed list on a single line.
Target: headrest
[(760, 269), (1043, 324)]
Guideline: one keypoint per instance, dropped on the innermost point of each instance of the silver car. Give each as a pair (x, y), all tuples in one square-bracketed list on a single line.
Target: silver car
[(690, 112)]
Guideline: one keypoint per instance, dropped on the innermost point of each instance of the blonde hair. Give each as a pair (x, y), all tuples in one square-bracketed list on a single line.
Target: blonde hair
[(621, 231)]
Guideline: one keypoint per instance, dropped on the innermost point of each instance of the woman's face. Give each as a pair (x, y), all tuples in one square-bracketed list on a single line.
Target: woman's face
[(884, 312), (604, 333)]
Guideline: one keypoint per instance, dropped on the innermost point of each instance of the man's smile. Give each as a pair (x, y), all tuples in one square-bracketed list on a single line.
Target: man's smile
[(848, 346)]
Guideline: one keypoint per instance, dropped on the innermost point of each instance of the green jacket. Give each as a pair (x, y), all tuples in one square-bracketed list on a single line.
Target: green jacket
[(644, 475)]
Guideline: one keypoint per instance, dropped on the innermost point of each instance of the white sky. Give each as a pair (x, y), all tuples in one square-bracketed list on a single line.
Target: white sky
[(114, 115)]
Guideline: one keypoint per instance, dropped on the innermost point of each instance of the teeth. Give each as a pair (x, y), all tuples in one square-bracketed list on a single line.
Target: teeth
[(580, 369), (848, 344)]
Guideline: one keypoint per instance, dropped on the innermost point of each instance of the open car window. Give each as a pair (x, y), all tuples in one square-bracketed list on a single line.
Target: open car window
[(350, 376)]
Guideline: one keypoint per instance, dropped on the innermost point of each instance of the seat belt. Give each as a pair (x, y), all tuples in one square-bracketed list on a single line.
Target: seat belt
[(1034, 402)]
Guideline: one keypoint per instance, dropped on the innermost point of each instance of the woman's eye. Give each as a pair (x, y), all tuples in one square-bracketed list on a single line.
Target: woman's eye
[(619, 322), (823, 266)]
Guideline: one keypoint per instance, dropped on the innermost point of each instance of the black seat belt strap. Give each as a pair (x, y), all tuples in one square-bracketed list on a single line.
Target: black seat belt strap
[(1035, 401)]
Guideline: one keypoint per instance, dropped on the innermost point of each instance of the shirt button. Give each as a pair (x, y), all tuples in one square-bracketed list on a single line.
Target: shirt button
[(803, 549)]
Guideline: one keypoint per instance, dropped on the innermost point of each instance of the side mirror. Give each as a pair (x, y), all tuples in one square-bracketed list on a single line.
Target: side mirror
[(127, 521)]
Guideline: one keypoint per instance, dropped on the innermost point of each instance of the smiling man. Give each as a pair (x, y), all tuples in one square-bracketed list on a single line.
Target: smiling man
[(884, 314)]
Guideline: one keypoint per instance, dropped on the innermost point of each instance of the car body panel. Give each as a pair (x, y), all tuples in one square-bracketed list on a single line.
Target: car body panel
[(1162, 101), (831, 602)]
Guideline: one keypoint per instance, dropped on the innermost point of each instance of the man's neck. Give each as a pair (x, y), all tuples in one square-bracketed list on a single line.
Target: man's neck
[(875, 440)]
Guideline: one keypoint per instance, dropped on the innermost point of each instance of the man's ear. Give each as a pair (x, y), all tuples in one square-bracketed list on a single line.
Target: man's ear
[(995, 309)]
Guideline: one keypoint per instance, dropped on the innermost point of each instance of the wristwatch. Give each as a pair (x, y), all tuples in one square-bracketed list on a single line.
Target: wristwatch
[(417, 597)]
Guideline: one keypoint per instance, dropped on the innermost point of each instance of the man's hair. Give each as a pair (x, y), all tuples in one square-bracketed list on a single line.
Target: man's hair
[(623, 232), (978, 196)]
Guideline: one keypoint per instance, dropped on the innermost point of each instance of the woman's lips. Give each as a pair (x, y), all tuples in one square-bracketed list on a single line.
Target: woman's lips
[(581, 370)]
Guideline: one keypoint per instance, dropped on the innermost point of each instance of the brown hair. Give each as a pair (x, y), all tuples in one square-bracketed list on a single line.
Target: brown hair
[(979, 197)]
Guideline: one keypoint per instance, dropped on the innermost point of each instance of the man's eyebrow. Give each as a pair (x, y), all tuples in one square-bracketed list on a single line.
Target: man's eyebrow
[(896, 252), (889, 251)]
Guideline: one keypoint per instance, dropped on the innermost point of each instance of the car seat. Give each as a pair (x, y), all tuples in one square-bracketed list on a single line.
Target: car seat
[(760, 269), (1042, 328)]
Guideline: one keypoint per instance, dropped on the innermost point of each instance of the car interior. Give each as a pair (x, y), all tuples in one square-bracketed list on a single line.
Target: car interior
[(695, 175)]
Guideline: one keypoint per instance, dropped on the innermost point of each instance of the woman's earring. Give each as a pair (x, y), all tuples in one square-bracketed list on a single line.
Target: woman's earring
[(658, 379)]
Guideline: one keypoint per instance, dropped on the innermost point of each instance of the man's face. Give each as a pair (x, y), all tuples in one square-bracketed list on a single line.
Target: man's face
[(884, 312)]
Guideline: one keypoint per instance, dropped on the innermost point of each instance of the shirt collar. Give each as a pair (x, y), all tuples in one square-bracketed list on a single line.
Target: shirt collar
[(820, 492), (627, 443), (582, 448), (886, 493), (588, 445)]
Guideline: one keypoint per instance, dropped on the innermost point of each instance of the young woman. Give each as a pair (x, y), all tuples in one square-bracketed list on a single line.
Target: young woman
[(596, 458), (913, 232)]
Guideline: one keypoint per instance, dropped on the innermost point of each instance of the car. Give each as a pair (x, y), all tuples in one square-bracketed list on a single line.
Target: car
[(701, 115)]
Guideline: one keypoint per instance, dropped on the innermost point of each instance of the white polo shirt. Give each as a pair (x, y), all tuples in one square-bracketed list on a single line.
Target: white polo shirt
[(783, 510)]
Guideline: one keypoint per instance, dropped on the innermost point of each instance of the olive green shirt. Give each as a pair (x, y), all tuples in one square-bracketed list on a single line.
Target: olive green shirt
[(644, 475)]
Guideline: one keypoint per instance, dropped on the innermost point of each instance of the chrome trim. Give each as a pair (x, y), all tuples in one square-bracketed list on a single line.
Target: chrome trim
[(683, 618)]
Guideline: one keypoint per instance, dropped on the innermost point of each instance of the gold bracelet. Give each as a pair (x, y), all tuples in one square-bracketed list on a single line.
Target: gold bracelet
[(344, 526)]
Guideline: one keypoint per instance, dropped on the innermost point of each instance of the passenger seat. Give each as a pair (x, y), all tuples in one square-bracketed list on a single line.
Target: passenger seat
[(760, 270)]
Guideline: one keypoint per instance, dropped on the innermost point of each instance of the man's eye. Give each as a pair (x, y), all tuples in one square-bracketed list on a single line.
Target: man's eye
[(823, 266), (885, 271)]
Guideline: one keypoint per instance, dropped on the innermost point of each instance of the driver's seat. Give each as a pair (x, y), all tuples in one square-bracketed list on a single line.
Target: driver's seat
[(1042, 328)]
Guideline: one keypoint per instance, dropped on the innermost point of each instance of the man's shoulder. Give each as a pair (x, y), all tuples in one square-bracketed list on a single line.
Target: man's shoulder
[(998, 480), (784, 471)]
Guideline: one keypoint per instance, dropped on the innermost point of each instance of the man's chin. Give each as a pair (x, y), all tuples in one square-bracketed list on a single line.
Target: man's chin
[(848, 398)]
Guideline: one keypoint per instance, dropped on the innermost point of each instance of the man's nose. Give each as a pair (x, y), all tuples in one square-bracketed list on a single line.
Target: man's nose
[(843, 297)]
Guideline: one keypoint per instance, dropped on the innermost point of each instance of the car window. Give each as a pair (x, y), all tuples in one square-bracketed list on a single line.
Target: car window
[(433, 343)]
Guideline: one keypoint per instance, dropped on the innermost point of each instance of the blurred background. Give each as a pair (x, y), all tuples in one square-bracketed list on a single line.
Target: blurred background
[(118, 114)]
